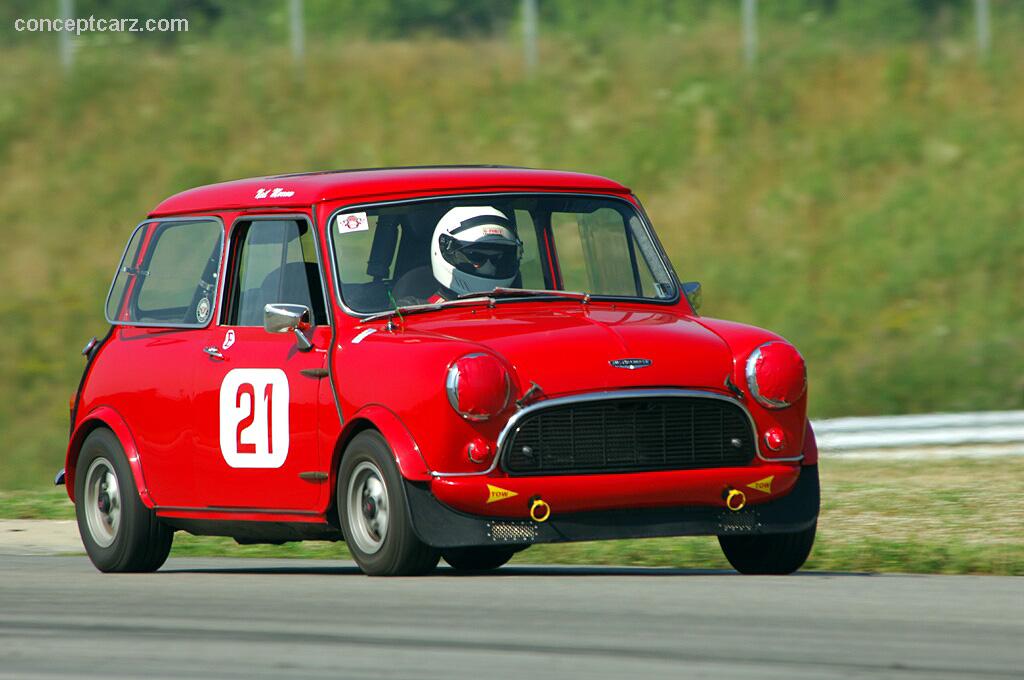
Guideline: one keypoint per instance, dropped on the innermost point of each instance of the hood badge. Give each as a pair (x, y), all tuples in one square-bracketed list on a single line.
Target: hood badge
[(631, 364)]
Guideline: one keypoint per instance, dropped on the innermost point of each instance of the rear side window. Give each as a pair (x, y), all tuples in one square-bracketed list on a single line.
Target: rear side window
[(168, 275)]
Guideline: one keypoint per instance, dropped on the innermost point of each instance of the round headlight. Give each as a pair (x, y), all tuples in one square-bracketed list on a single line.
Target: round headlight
[(478, 386), (776, 374)]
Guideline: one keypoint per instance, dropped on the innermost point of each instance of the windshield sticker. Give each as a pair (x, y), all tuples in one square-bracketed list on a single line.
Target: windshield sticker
[(352, 222), (229, 339), (276, 192), (203, 310)]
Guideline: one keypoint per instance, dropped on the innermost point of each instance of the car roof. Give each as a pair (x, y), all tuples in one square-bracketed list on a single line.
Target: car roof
[(308, 188)]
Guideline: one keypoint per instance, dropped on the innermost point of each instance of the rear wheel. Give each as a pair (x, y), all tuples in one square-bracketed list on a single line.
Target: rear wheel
[(374, 513), (769, 553), (477, 559), (119, 533)]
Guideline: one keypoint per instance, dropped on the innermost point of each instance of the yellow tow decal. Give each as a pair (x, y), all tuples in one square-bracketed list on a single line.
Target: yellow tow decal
[(496, 493), (762, 485)]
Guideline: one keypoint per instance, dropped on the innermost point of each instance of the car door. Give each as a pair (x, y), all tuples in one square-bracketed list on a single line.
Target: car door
[(161, 301), (256, 392)]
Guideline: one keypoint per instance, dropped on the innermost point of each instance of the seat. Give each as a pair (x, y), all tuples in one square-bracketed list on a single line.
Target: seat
[(300, 286), (416, 286)]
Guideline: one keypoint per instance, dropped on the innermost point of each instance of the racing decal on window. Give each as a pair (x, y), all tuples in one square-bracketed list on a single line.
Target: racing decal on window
[(203, 310), (254, 418), (762, 485), (496, 493), (229, 339), (352, 222)]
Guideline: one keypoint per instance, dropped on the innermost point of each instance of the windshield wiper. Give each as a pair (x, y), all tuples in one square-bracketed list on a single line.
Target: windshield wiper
[(507, 293), (490, 297), (426, 307)]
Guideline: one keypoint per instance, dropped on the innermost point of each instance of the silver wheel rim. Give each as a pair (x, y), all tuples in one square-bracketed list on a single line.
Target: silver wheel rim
[(102, 502), (368, 507)]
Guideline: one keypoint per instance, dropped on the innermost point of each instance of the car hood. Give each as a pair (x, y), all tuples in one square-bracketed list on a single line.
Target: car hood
[(567, 347)]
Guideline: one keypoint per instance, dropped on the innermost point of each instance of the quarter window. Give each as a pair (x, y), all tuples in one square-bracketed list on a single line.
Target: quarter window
[(168, 275)]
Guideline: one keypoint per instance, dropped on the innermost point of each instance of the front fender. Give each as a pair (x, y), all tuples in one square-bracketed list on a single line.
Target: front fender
[(105, 416), (742, 340), (407, 454), (810, 446)]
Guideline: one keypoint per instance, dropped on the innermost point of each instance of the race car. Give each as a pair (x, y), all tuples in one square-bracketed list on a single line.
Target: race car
[(452, 362)]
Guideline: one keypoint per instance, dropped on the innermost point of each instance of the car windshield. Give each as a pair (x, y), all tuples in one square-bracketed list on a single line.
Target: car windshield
[(428, 252)]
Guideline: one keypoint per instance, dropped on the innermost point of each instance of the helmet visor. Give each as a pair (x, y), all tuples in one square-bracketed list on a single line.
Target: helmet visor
[(496, 259)]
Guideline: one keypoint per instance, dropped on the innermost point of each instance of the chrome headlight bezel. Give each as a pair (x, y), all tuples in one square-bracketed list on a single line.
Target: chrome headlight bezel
[(750, 371), (454, 376)]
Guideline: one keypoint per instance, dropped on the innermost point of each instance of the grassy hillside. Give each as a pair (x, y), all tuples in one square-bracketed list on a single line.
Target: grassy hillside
[(864, 200)]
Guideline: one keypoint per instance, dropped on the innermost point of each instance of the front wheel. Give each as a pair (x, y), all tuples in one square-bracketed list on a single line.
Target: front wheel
[(374, 513), (119, 533), (769, 553)]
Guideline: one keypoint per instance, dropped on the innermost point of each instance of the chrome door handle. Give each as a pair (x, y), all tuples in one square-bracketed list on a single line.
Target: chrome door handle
[(213, 352)]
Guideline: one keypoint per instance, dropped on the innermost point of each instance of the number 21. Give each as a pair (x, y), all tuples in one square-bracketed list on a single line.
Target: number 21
[(247, 389), (254, 428)]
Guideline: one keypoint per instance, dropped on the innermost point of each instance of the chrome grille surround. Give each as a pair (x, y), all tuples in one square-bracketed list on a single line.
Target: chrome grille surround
[(505, 438), (623, 432)]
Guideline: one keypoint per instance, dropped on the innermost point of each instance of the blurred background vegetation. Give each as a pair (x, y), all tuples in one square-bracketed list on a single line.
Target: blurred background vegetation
[(860, 189)]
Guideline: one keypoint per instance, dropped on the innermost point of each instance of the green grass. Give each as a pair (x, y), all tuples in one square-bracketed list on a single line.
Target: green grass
[(949, 517), (862, 198), (36, 504)]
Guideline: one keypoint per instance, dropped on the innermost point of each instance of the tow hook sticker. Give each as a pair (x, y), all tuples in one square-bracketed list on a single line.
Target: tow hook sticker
[(254, 429), (496, 493), (352, 222), (762, 485), (203, 310), (229, 339)]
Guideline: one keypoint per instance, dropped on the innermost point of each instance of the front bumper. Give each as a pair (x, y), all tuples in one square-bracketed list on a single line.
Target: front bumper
[(441, 526), (510, 497)]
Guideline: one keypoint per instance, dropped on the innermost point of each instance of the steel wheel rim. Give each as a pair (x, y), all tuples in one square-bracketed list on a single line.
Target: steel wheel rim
[(368, 507), (102, 502)]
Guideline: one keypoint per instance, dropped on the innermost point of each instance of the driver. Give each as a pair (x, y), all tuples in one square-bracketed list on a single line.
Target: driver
[(473, 250)]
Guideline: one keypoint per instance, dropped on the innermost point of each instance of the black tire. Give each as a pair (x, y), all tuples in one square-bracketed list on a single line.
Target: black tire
[(120, 534), (769, 553), (477, 559), (381, 544)]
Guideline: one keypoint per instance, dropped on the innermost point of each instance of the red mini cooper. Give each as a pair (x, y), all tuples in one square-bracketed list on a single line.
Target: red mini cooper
[(440, 362)]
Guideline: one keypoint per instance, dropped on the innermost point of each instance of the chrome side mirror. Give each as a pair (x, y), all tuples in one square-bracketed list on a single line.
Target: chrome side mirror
[(693, 293), (284, 318)]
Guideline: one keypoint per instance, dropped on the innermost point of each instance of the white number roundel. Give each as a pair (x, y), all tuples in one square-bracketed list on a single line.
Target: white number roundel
[(254, 417)]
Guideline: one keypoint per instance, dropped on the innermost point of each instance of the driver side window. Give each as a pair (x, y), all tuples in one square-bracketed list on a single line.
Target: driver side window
[(275, 262)]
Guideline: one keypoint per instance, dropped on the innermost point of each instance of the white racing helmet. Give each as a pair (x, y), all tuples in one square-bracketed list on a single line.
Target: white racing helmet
[(474, 250)]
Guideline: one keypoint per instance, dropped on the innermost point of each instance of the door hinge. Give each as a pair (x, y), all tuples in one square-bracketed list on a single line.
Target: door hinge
[(314, 372), (313, 476)]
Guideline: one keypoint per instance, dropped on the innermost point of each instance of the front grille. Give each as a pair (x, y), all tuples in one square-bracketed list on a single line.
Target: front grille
[(630, 435)]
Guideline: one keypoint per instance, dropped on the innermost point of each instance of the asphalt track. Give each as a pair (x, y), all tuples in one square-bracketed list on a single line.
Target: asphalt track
[(247, 618)]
